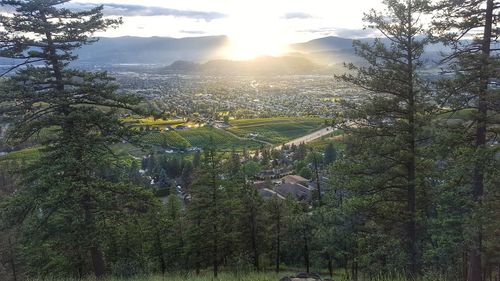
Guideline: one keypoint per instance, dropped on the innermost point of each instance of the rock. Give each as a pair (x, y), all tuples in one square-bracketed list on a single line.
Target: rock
[(308, 275), (303, 277)]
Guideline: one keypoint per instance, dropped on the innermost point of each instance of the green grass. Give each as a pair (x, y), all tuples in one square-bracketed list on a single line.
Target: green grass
[(169, 138), (253, 276), (336, 137), (275, 130), (198, 137), (27, 154), (150, 121)]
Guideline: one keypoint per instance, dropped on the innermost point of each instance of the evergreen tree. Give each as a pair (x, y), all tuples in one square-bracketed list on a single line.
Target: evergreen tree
[(62, 191), (300, 152), (330, 154), (163, 180), (196, 159), (316, 159), (252, 223), (234, 164), (471, 29), (208, 209), (175, 234), (187, 173), (384, 159), (277, 220)]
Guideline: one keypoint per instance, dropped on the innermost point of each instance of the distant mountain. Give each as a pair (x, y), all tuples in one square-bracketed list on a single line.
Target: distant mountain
[(205, 54), (165, 51), (259, 66), (336, 50), (150, 50), (330, 50), (323, 44)]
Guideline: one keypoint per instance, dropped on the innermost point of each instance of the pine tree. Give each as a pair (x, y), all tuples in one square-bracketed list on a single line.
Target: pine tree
[(330, 154), (277, 211), (252, 223), (62, 191), (175, 236), (471, 29), (207, 209), (384, 133), (316, 160)]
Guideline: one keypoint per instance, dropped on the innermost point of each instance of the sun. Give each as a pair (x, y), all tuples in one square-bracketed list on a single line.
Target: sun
[(251, 36), (250, 44)]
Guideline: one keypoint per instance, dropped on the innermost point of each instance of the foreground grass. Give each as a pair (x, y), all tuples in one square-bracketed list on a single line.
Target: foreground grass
[(190, 277), (254, 276)]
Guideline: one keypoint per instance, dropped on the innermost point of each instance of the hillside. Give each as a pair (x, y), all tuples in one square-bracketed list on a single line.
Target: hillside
[(258, 66)]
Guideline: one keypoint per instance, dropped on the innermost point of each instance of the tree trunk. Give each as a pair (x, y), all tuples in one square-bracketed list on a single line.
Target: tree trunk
[(12, 260), (97, 262), (475, 254), (330, 266), (306, 251), (254, 239), (318, 186), (53, 57), (96, 256), (278, 238), (215, 240), (163, 265), (411, 164)]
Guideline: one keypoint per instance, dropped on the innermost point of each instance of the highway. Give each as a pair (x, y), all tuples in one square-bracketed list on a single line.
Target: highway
[(310, 137)]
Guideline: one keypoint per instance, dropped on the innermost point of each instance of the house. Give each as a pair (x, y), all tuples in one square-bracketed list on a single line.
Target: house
[(294, 186), (296, 190), (274, 173), (260, 184), (267, 193), (181, 127), (295, 179)]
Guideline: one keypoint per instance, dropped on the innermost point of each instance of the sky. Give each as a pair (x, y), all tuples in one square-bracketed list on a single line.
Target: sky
[(298, 20), (254, 27), (266, 26)]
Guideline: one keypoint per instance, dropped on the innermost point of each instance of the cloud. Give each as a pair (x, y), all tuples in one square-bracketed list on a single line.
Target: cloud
[(297, 15), (126, 10), (355, 33), (341, 32), (194, 32), (7, 9)]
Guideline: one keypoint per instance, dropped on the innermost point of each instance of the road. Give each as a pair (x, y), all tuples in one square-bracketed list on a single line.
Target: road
[(242, 138), (310, 137)]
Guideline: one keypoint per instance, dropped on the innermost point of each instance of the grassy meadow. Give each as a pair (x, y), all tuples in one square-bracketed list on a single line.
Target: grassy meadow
[(253, 276), (276, 130)]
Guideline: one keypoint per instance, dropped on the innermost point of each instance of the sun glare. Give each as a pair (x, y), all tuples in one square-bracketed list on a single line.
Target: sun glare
[(252, 36), (248, 45)]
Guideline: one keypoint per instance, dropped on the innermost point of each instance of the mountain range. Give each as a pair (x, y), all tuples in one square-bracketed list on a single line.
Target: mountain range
[(205, 54)]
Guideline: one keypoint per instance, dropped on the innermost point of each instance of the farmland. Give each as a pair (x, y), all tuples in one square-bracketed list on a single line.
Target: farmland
[(198, 137), (275, 130), (267, 130), (248, 133)]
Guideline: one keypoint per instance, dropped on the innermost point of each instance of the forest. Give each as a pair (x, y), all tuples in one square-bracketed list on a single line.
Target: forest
[(410, 191)]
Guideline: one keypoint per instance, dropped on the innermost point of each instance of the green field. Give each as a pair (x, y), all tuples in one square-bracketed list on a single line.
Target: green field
[(272, 130), (336, 137), (150, 121), (198, 137), (27, 154), (275, 130)]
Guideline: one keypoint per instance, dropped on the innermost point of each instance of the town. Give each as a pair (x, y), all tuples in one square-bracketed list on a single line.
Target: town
[(242, 96)]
